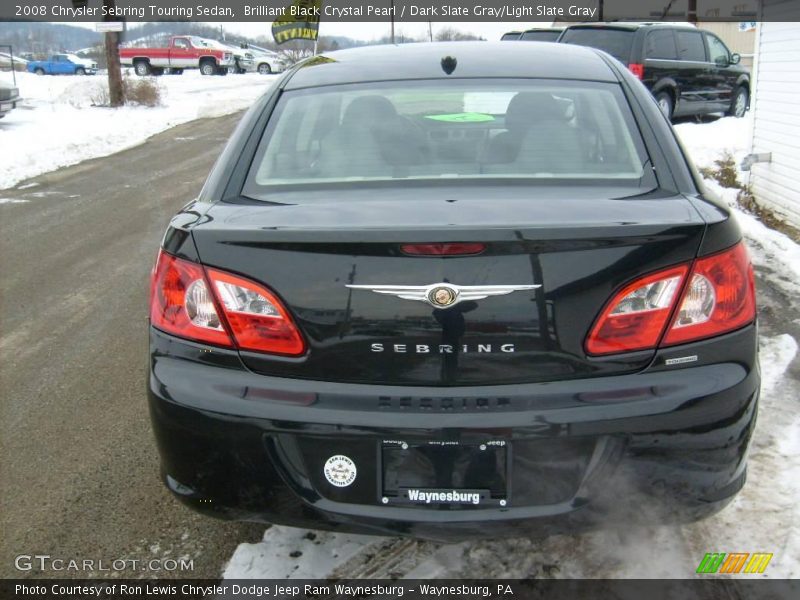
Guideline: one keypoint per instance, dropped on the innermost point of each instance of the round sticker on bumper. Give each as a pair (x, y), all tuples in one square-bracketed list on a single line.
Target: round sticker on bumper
[(340, 470)]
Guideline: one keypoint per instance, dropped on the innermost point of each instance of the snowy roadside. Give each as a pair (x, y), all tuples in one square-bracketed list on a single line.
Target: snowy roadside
[(763, 517), (57, 126)]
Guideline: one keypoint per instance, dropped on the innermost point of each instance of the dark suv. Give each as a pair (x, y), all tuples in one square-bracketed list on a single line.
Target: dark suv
[(689, 71)]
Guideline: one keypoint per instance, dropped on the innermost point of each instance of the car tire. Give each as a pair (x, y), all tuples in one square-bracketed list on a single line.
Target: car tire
[(142, 68), (39, 71), (264, 69), (738, 107), (665, 104), (80, 71), (208, 68)]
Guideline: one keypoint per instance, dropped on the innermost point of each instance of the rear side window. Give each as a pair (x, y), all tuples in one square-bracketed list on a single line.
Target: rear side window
[(691, 46), (617, 42), (661, 44), (717, 50), (415, 130)]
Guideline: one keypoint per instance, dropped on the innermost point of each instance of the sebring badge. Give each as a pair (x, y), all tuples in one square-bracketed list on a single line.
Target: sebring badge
[(443, 295)]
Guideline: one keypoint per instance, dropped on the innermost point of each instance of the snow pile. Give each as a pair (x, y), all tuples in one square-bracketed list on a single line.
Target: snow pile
[(706, 142), (288, 552), (57, 126)]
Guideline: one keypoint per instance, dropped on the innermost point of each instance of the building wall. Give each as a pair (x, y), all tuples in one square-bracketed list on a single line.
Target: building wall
[(776, 118)]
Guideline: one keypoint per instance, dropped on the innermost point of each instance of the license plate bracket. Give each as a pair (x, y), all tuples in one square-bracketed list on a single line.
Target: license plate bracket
[(446, 474)]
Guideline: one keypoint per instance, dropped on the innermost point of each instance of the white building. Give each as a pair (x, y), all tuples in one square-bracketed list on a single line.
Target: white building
[(775, 145)]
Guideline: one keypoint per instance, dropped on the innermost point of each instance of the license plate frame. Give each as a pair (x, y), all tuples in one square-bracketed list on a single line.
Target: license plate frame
[(438, 474)]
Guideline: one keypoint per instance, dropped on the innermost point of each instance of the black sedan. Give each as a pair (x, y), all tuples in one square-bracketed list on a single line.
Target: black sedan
[(454, 290)]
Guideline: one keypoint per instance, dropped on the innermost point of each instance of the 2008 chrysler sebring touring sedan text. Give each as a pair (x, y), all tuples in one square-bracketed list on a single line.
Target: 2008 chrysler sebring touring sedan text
[(454, 290)]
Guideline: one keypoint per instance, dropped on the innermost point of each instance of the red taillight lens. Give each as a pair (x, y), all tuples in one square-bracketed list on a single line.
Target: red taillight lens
[(637, 69), (180, 303), (720, 297), (447, 249), (257, 319), (716, 296), (211, 306), (635, 318)]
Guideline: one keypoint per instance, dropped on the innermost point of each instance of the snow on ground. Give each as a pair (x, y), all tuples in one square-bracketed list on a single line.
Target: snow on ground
[(289, 552), (764, 517), (57, 126), (709, 141)]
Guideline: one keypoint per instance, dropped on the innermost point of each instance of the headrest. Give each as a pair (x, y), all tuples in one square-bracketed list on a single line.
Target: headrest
[(368, 109), (528, 108)]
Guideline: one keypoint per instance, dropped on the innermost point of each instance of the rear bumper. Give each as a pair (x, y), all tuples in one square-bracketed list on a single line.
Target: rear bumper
[(662, 444), (7, 106)]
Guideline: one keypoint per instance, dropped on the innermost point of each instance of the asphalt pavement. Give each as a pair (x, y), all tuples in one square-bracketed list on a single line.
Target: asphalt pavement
[(78, 462)]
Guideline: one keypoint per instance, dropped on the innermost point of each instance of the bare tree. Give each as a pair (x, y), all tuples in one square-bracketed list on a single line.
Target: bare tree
[(450, 34)]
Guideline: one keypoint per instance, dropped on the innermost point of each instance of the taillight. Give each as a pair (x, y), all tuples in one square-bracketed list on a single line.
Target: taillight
[(257, 319), (720, 297), (635, 318), (716, 296), (219, 308), (180, 303), (637, 69), (443, 249)]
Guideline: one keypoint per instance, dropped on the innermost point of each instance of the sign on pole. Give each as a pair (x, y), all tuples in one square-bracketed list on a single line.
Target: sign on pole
[(108, 26), (300, 21)]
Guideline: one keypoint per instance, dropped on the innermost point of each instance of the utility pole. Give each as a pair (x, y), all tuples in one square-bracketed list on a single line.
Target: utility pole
[(691, 13), (391, 3), (600, 11), (116, 94), (430, 30)]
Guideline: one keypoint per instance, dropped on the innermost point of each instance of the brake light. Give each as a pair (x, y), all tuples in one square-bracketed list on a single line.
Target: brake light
[(635, 318), (715, 296), (180, 303), (215, 307), (720, 297), (447, 249), (637, 69), (257, 319)]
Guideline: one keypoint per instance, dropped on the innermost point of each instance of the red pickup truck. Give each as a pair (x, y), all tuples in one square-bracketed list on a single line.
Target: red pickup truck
[(183, 52)]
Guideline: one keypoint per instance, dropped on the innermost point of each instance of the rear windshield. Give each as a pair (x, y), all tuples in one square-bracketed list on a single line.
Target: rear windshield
[(541, 36), (410, 130), (617, 42)]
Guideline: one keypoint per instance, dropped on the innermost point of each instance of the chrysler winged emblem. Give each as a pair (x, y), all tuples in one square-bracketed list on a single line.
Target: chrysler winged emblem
[(443, 295)]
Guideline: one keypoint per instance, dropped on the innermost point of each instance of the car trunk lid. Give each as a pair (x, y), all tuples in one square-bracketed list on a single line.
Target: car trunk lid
[(578, 244)]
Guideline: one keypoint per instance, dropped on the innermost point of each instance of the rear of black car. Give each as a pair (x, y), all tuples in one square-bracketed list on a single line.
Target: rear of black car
[(450, 306)]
